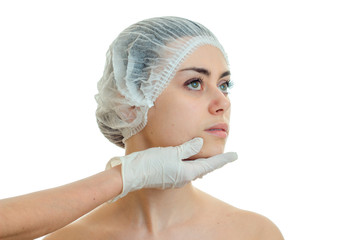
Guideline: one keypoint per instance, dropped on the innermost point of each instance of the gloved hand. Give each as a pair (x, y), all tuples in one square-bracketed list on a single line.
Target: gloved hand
[(162, 167)]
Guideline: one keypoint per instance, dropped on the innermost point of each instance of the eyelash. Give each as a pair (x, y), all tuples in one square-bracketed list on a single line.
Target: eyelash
[(229, 84)]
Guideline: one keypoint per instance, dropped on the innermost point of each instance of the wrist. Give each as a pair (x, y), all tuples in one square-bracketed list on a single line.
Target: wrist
[(116, 179)]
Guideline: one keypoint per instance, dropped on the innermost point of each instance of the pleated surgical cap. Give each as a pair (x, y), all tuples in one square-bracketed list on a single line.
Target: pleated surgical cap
[(139, 65)]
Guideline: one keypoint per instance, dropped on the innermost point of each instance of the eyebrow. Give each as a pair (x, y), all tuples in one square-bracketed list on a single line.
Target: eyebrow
[(204, 71)]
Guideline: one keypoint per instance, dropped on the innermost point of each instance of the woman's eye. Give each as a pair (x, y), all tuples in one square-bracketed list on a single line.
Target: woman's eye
[(194, 84), (225, 86)]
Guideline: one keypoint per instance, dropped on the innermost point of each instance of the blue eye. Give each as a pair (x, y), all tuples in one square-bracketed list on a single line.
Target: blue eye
[(194, 84), (225, 86)]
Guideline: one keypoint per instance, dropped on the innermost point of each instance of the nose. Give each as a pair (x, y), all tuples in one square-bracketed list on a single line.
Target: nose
[(219, 103)]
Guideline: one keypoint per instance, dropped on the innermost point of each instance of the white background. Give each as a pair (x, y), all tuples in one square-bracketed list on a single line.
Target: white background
[(295, 115)]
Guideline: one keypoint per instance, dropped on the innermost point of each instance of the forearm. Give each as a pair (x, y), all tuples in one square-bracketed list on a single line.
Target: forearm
[(36, 214)]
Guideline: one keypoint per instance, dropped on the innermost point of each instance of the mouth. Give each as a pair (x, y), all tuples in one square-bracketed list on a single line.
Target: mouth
[(220, 130)]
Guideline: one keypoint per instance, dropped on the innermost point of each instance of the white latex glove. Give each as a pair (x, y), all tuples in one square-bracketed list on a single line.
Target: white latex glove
[(162, 167)]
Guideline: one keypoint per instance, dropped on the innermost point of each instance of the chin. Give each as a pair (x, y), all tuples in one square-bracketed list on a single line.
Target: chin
[(211, 148)]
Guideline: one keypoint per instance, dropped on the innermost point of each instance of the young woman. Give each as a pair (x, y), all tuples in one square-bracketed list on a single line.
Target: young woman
[(166, 82), (164, 98)]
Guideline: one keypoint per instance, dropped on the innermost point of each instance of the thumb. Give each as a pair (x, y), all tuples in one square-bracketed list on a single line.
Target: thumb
[(190, 148), (200, 167)]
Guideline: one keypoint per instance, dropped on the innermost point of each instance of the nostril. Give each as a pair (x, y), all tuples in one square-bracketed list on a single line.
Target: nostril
[(219, 110)]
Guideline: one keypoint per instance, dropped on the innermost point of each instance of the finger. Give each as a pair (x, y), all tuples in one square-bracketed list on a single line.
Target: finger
[(200, 167), (220, 160), (190, 148)]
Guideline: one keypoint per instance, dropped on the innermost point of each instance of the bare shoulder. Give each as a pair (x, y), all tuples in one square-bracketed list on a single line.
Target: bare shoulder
[(91, 226), (259, 226), (236, 223)]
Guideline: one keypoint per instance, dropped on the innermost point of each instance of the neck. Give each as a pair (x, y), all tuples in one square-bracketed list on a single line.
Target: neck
[(156, 210), (137, 143)]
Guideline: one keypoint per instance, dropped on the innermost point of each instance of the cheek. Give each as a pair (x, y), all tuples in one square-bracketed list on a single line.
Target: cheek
[(182, 124), (173, 123)]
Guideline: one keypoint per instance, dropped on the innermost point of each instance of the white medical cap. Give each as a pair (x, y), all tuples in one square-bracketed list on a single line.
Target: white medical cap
[(139, 65)]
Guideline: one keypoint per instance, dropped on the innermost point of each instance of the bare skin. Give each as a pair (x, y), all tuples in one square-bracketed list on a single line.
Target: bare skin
[(183, 111), (37, 214), (201, 217)]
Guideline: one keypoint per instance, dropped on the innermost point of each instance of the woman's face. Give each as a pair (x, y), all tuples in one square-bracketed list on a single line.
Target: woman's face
[(194, 104)]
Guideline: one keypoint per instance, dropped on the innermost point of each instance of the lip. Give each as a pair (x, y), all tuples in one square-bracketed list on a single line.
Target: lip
[(220, 130)]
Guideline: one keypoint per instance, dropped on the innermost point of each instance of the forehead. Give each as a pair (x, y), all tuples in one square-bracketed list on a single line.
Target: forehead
[(206, 56)]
